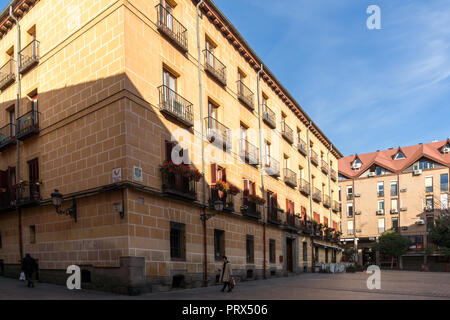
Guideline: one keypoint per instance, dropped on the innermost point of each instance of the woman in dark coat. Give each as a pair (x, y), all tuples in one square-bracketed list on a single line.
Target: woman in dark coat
[(226, 275), (29, 265)]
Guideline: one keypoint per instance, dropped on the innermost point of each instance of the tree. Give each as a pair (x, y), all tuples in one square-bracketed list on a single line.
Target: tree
[(440, 233), (393, 244)]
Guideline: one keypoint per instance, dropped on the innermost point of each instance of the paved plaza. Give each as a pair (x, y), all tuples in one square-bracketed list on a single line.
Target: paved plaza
[(395, 285)]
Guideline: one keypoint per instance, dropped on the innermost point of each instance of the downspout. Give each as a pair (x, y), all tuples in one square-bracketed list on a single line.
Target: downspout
[(313, 263), (355, 244), (262, 170), (18, 173), (203, 214), (329, 185)]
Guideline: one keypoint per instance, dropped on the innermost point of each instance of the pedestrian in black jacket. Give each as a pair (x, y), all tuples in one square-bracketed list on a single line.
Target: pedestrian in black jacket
[(29, 265)]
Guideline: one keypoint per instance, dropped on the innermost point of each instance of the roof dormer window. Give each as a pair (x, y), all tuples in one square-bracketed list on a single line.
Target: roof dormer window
[(357, 164), (400, 155), (446, 149)]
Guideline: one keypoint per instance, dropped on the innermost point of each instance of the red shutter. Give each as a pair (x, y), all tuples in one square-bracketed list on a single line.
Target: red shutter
[(224, 174), (246, 190), (253, 188), (288, 206), (317, 217), (293, 207), (335, 225), (213, 173), (325, 221)]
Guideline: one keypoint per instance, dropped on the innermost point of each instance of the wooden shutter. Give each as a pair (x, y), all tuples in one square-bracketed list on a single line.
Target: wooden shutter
[(335, 225), (213, 173), (325, 221), (169, 148), (246, 188)]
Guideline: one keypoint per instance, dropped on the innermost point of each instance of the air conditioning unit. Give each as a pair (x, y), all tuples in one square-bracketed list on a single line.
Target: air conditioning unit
[(358, 213), (357, 195), (418, 172), (420, 222), (403, 190), (358, 230), (403, 209), (372, 174)]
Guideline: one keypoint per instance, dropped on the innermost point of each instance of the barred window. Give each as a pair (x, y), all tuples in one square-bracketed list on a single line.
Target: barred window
[(250, 249), (177, 241), (272, 251)]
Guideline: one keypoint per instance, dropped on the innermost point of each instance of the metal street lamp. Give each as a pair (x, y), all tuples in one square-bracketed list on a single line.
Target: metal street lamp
[(57, 199), (218, 205)]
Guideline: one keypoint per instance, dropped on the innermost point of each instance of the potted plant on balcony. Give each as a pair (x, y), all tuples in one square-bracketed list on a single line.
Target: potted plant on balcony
[(256, 199), (195, 175), (222, 188), (233, 190)]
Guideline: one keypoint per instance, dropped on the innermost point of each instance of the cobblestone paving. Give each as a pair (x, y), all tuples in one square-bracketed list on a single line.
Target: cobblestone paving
[(395, 285)]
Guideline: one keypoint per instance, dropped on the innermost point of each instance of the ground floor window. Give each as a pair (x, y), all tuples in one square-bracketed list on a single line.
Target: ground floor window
[(305, 251), (219, 244), (326, 255), (177, 241), (272, 248), (250, 249), (316, 254)]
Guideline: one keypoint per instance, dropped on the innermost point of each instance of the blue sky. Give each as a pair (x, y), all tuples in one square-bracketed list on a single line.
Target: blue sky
[(366, 89)]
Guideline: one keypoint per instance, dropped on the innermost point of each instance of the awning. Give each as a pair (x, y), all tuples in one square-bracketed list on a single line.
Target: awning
[(326, 246)]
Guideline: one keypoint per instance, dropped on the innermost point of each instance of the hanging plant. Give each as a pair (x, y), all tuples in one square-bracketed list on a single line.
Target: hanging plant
[(234, 190), (195, 175), (222, 186)]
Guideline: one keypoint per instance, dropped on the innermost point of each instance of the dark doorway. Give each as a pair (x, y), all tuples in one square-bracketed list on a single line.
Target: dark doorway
[(289, 255)]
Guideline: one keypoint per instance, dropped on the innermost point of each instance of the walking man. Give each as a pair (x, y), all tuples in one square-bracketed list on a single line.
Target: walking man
[(29, 265), (226, 275)]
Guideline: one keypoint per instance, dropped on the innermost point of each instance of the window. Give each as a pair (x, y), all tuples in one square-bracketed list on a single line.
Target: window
[(305, 251), (381, 228), (33, 174), (317, 217), (219, 244), (250, 249), (394, 205), (399, 156), (350, 193), (267, 148), (32, 234), (326, 255), (272, 252), (394, 189), (444, 182), (430, 221), (395, 224), (429, 184), (350, 228), (12, 121), (444, 201), (166, 15), (1, 245), (290, 207), (316, 254), (210, 48), (380, 188), (381, 206), (339, 194), (429, 203), (177, 241), (325, 221), (170, 82), (286, 162), (357, 164), (350, 210)]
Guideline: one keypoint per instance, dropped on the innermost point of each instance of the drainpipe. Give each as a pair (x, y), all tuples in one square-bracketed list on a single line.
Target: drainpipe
[(18, 173), (203, 215), (262, 169), (329, 185), (355, 243), (313, 263)]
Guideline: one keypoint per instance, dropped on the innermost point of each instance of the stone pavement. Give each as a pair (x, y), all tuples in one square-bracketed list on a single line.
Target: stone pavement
[(395, 285)]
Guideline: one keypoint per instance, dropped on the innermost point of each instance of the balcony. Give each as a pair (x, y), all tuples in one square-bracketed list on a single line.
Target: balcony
[(7, 199), (28, 125), (287, 132), (215, 68), (248, 152), (7, 136), (175, 106), (245, 95), (394, 211), (305, 187), (172, 28), (225, 198), (290, 220), (336, 206), (317, 195), (380, 194), (273, 215), (324, 167), (301, 147), (178, 185), (269, 117), (290, 177), (272, 166), (7, 74), (27, 194), (29, 56), (314, 158), (333, 175), (380, 212), (217, 133), (327, 201)]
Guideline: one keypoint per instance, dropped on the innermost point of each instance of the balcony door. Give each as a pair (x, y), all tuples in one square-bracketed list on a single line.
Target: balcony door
[(33, 175), (267, 150), (209, 53), (244, 141), (12, 121), (170, 88), (167, 14)]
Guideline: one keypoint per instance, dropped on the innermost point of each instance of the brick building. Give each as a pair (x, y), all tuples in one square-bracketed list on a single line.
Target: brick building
[(109, 91), (403, 189)]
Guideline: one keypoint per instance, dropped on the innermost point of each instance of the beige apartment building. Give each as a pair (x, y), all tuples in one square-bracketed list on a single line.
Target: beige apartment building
[(403, 189), (147, 125)]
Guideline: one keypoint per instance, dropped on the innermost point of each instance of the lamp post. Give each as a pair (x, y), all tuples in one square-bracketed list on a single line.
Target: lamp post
[(57, 199)]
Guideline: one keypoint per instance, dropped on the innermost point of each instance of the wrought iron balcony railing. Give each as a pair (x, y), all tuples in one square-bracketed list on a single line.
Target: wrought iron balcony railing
[(252, 209), (269, 117), (273, 215), (28, 193), (314, 158), (301, 147), (317, 195), (215, 67), (245, 95), (227, 200), (290, 220), (333, 175), (336, 206), (29, 56), (287, 132), (324, 167), (272, 166), (7, 74), (290, 177), (28, 125), (305, 187), (174, 105), (178, 185), (326, 201), (7, 136), (171, 27), (248, 152), (217, 133)]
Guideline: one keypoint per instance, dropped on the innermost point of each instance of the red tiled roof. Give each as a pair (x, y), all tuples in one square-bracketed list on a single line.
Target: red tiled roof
[(386, 160)]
